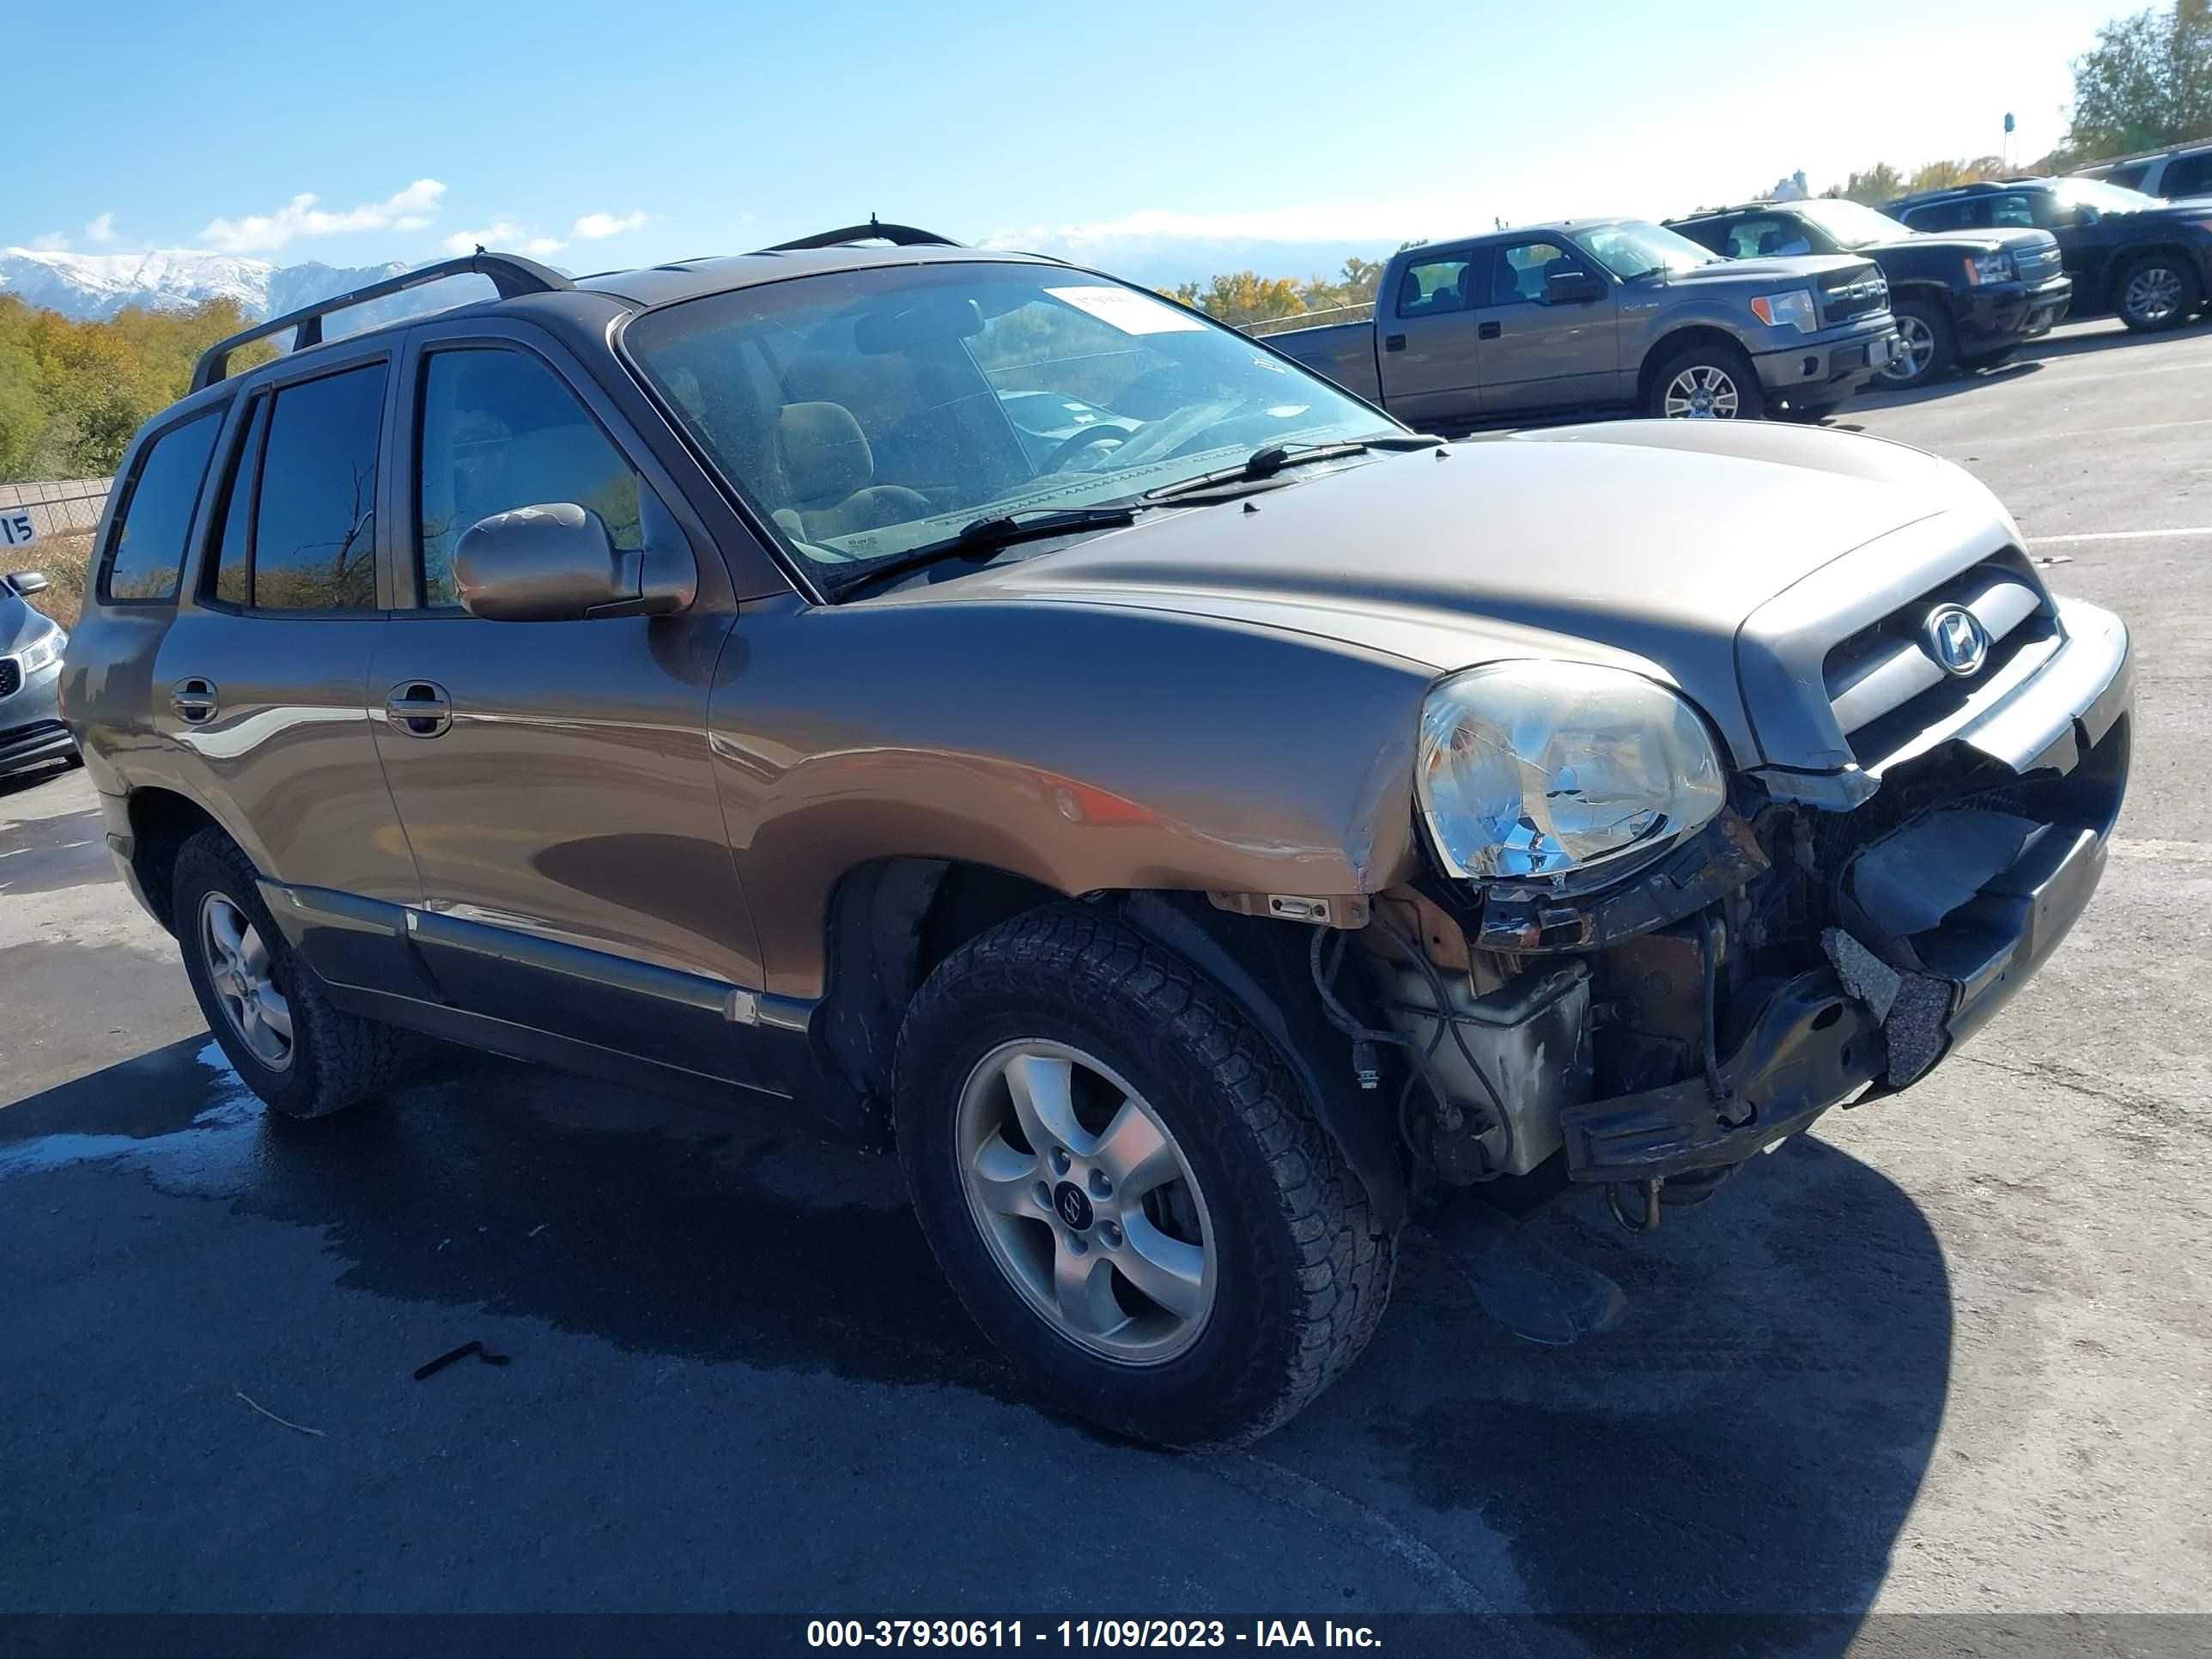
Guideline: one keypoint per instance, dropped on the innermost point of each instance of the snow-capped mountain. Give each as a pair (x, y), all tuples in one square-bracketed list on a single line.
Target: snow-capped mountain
[(98, 285)]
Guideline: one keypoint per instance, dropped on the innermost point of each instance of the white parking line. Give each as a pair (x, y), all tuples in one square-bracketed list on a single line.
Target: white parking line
[(2122, 535), (1984, 439)]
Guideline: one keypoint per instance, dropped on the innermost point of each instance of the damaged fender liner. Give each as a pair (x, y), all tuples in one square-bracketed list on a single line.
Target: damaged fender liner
[(1810, 1046), (1716, 861)]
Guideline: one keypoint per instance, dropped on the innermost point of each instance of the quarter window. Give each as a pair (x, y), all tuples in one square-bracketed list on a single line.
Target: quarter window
[(314, 535), (156, 515), (500, 431), (2186, 175)]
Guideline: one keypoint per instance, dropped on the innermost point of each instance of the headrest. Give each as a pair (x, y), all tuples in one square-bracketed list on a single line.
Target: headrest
[(825, 456)]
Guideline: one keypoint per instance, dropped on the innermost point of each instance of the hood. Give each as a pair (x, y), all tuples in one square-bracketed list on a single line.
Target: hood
[(2179, 207), (1641, 543), (1939, 241), (19, 624), (1797, 267)]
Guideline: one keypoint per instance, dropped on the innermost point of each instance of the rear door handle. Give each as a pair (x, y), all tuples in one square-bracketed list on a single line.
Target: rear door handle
[(1394, 343), (420, 708), (195, 701), (1488, 331)]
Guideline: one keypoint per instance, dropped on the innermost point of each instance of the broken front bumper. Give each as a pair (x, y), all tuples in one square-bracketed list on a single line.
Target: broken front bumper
[(1941, 918)]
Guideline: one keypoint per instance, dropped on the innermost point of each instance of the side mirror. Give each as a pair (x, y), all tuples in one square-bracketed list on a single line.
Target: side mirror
[(1572, 288), (556, 563), (2086, 214), (27, 582)]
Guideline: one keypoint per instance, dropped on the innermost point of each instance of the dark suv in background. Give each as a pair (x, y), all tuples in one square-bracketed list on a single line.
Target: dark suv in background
[(2148, 260), (1962, 299)]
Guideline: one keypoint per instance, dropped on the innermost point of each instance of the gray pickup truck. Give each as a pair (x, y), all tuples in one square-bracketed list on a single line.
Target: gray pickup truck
[(1605, 314)]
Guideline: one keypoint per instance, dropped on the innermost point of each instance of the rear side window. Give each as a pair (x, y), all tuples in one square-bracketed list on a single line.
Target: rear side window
[(2185, 175), (156, 515), (314, 535), (1432, 286), (500, 431)]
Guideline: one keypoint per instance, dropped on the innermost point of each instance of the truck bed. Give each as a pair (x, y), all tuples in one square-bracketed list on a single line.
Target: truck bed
[(1345, 352)]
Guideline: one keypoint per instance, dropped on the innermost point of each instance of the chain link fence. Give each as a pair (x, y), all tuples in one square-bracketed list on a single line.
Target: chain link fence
[(64, 507)]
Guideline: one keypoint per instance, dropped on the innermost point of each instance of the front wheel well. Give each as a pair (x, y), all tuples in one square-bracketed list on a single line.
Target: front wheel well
[(2126, 260), (1669, 347), (161, 822)]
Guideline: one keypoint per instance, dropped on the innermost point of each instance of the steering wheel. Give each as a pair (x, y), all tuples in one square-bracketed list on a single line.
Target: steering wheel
[(1075, 443)]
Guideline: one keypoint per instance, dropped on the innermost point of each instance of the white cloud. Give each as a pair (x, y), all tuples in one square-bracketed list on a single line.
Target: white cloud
[(52, 242), (596, 227), (1375, 221), (102, 230), (504, 236), (263, 233)]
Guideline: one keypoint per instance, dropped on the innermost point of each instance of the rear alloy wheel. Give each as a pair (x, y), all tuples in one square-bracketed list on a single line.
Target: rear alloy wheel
[(2157, 292), (1708, 383), (1127, 1186), (302, 1056), (1924, 334)]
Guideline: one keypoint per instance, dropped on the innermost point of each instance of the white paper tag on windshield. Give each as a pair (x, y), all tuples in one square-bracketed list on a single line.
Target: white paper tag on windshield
[(1128, 310)]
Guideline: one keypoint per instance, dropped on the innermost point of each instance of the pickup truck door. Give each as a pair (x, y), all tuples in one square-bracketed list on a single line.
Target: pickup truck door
[(1425, 340), (1538, 356)]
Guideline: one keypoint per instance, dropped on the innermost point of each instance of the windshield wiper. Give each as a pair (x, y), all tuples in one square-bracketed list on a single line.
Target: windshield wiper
[(1266, 462), (987, 535)]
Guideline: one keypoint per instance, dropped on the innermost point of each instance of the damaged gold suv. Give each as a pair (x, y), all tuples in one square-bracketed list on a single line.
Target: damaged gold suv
[(984, 708)]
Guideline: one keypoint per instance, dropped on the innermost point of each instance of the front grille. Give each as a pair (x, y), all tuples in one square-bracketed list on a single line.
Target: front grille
[(11, 676), (1894, 700), (2038, 266), (1852, 295), (23, 737)]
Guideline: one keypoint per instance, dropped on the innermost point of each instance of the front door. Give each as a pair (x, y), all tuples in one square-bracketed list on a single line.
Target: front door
[(553, 778), (1538, 356)]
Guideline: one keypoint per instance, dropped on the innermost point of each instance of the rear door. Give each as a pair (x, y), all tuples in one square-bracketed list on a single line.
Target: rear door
[(553, 778), (259, 694), (1537, 355), (1429, 351)]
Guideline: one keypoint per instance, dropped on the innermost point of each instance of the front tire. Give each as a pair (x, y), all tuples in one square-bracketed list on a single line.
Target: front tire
[(1128, 1189), (1929, 346), (2158, 292), (302, 1056), (1706, 382)]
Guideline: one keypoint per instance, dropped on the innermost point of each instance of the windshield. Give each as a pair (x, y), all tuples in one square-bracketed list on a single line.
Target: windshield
[(1635, 248), (865, 413), (1849, 224), (2105, 199)]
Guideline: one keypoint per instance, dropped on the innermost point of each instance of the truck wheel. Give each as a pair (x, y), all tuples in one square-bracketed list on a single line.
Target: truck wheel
[(1126, 1185), (302, 1056), (1707, 382), (1929, 347), (2158, 291)]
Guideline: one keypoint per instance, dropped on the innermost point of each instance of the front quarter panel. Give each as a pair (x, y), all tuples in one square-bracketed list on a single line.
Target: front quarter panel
[(1085, 746)]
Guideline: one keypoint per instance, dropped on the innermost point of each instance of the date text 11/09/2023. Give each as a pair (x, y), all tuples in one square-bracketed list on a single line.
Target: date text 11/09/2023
[(1080, 1634)]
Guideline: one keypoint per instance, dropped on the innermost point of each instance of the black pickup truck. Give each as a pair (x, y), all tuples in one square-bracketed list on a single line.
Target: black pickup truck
[(1964, 301)]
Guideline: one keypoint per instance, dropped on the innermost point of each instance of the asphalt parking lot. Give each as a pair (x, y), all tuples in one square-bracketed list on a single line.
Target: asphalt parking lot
[(1947, 1354)]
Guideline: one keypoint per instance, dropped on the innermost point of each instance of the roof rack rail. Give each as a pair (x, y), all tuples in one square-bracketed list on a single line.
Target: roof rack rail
[(510, 274), (874, 230)]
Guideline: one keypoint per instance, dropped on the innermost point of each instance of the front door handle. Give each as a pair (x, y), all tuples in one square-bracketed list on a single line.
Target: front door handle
[(1394, 343), (420, 708), (1489, 330), (195, 701)]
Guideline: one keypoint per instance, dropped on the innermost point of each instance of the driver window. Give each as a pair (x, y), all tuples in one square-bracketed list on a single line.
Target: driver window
[(500, 431), (1522, 269)]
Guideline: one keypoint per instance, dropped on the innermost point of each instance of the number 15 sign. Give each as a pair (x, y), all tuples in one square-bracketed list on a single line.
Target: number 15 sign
[(16, 528)]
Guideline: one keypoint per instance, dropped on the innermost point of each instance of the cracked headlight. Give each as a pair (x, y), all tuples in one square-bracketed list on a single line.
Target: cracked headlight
[(1544, 769)]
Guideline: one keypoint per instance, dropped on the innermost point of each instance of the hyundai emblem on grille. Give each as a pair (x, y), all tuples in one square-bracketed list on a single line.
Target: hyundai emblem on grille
[(1956, 640)]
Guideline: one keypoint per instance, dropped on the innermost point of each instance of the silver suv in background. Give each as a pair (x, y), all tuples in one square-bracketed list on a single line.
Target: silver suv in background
[(1606, 315), (2183, 171)]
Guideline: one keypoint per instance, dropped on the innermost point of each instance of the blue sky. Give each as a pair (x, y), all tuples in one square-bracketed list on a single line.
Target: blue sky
[(612, 134)]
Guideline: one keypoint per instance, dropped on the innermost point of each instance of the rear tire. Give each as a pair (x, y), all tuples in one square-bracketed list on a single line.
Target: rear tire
[(2157, 292), (1929, 347), (1708, 382), (1282, 1273), (302, 1056)]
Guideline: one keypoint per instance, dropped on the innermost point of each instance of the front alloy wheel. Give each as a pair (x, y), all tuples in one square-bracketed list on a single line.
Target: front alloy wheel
[(1918, 343), (1127, 1185), (2156, 294), (1703, 392), (1086, 1200)]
